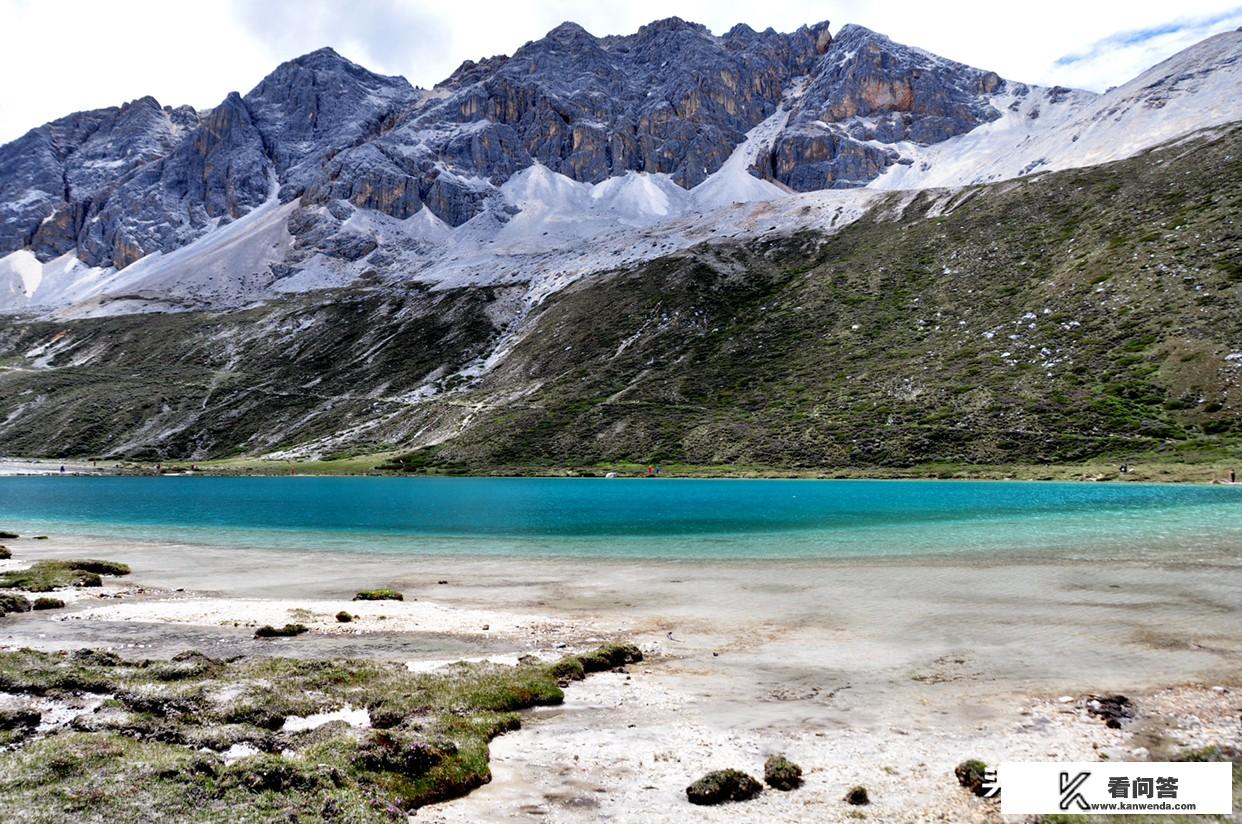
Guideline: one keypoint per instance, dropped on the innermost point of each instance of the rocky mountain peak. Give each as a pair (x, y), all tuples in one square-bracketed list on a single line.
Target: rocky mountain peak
[(649, 114)]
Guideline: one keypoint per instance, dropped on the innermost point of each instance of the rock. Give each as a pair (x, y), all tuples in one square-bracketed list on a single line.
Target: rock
[(723, 786), (4, 536), (12, 602), (1113, 709), (870, 90), (344, 617), (287, 631), (857, 796), (782, 774), (609, 656), (48, 603), (970, 774), (5, 553), (19, 719)]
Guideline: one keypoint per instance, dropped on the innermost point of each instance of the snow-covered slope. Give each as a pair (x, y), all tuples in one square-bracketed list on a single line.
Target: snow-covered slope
[(1046, 129)]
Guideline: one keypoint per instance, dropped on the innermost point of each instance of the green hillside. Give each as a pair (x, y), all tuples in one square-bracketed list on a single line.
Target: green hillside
[(1076, 315)]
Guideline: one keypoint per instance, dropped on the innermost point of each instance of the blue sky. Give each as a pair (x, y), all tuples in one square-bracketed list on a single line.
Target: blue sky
[(58, 56)]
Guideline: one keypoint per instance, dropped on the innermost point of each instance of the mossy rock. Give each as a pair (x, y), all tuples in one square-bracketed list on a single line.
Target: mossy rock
[(5, 553), (5, 536), (782, 774), (47, 603), (344, 617), (569, 668), (381, 594), (97, 566), (970, 774), (857, 796), (723, 786), (610, 656), (287, 631), (12, 602), (46, 576)]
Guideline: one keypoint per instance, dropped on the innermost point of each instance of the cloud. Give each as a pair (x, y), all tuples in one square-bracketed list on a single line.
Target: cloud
[(386, 36), (1124, 54)]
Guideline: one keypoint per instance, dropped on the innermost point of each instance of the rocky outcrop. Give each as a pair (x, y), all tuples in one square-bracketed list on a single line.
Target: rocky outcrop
[(869, 90), (48, 174), (141, 179), (672, 99)]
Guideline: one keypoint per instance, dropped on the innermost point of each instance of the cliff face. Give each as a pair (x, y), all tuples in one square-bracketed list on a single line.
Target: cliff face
[(50, 173), (868, 90), (673, 99)]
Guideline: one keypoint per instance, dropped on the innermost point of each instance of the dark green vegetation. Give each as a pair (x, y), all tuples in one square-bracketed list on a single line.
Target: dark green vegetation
[(380, 594), (287, 631), (1080, 315), (782, 774), (138, 756), (12, 602), (723, 786), (970, 774), (857, 796), (45, 576)]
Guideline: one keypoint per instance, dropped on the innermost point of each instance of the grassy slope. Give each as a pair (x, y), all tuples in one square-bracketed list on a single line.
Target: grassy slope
[(1082, 314), (1079, 318)]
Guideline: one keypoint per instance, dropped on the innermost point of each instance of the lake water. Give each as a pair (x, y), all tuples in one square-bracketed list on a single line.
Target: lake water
[(658, 518)]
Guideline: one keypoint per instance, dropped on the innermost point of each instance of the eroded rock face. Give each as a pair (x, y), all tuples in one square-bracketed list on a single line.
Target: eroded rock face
[(671, 98), (48, 174), (866, 90), (118, 184)]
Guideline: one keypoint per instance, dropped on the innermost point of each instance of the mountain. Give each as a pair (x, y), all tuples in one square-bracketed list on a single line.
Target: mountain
[(629, 248)]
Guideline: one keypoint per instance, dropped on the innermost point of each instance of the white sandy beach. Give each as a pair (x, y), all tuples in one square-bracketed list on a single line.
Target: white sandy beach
[(885, 674)]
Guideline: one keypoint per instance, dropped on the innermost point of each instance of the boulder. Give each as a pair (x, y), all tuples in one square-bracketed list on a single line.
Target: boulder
[(970, 774), (723, 786), (780, 773)]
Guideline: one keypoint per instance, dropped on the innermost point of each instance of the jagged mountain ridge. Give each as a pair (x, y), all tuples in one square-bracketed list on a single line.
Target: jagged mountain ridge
[(326, 172)]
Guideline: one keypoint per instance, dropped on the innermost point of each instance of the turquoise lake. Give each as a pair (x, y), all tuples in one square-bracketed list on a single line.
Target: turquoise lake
[(656, 518)]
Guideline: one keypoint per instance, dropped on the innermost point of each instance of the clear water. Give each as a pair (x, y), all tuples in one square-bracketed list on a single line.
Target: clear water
[(658, 518)]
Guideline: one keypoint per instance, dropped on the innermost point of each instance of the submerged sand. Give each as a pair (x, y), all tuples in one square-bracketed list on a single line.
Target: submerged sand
[(883, 673)]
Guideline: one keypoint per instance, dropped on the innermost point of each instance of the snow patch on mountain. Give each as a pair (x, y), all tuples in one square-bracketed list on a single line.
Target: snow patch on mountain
[(1042, 129)]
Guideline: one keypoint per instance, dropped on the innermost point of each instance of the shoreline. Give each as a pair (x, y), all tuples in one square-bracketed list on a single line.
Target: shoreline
[(880, 673), (1159, 472)]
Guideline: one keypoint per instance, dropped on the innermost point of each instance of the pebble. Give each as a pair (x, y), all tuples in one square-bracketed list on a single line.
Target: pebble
[(1065, 699)]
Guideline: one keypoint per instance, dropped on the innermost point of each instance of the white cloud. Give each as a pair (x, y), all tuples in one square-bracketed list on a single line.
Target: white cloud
[(59, 57)]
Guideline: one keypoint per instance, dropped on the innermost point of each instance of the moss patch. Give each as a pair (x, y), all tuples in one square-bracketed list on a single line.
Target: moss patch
[(380, 594), (46, 576), (138, 757)]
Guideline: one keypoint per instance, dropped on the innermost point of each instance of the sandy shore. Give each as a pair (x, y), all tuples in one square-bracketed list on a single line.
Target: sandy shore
[(880, 673)]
